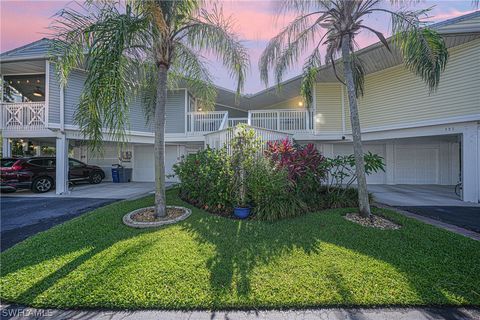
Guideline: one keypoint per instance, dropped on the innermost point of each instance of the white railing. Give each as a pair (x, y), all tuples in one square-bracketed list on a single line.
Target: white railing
[(223, 137), (204, 122), (289, 120), (232, 122), (23, 116)]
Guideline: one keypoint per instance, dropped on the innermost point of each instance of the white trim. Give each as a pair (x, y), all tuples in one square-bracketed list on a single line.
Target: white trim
[(424, 123), (47, 92), (186, 110), (343, 109), (314, 111), (13, 59), (62, 107), (23, 74)]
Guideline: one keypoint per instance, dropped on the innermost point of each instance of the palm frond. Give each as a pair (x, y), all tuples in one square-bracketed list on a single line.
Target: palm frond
[(424, 50), (111, 42), (212, 33), (283, 50), (309, 76)]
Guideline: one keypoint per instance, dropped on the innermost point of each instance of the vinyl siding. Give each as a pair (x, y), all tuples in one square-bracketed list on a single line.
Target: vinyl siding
[(397, 97), (175, 109), (328, 116), (175, 114), (73, 90), (53, 95)]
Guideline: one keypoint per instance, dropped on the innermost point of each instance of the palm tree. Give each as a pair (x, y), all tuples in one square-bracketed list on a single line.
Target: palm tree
[(142, 47), (335, 24)]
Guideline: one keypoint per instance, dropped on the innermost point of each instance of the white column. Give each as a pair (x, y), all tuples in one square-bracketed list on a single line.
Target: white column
[(470, 163), (6, 148), (61, 183)]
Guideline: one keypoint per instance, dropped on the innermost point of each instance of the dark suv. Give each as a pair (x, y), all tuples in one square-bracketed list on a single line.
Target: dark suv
[(38, 173)]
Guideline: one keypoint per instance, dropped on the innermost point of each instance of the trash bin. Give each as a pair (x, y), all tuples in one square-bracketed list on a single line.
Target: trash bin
[(120, 174), (116, 173)]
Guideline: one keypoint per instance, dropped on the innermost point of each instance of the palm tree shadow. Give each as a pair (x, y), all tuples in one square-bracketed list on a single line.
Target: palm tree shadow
[(240, 246)]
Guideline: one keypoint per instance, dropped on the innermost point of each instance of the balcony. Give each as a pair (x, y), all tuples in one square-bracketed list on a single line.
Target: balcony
[(23, 116), (284, 120), (199, 123)]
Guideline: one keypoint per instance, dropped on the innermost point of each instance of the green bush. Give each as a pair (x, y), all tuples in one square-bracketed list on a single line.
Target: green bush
[(272, 193), (206, 180)]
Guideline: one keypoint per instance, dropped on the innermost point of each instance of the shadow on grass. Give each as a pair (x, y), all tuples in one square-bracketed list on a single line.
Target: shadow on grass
[(437, 265)]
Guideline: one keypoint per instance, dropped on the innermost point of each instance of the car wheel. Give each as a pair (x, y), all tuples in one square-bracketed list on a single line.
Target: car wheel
[(43, 184), (96, 178)]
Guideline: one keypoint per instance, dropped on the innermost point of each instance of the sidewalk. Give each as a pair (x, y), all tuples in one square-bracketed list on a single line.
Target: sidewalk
[(16, 312)]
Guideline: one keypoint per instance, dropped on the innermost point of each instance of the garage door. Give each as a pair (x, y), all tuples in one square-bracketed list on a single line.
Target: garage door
[(415, 164), (143, 168), (344, 149)]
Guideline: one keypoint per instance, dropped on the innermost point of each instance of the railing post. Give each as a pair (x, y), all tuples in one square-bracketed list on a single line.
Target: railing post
[(249, 119), (307, 123), (278, 120)]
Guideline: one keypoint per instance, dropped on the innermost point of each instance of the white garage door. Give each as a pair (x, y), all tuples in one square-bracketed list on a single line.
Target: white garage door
[(416, 164), (345, 149), (143, 168)]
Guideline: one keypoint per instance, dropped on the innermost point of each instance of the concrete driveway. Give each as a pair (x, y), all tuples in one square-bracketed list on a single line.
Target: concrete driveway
[(432, 201), (104, 190), (25, 213)]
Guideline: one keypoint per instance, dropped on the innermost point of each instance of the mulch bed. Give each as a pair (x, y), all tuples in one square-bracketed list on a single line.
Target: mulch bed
[(148, 215), (373, 222)]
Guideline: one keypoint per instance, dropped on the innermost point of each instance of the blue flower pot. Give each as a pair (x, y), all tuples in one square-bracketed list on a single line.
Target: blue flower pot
[(241, 213)]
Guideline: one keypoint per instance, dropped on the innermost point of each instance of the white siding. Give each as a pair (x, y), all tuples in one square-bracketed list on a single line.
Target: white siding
[(328, 116), (397, 97)]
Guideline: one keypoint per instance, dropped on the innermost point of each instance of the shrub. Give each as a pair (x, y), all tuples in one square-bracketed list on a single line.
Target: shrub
[(299, 161), (271, 192), (206, 180)]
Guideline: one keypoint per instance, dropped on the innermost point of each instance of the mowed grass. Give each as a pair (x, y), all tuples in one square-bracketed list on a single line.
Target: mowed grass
[(209, 262)]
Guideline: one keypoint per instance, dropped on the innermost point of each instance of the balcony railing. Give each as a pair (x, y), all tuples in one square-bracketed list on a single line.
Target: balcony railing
[(287, 120), (204, 122), (23, 116)]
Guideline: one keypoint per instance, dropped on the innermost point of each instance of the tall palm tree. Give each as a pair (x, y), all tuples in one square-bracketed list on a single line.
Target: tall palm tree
[(142, 47), (335, 24)]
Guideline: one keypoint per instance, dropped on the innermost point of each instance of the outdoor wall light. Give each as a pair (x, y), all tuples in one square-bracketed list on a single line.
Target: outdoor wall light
[(38, 92)]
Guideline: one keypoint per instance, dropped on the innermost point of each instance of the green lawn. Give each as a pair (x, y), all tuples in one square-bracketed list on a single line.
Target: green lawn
[(211, 262)]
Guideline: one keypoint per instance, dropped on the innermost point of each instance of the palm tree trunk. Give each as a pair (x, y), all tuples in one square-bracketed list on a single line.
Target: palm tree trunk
[(364, 205), (159, 144)]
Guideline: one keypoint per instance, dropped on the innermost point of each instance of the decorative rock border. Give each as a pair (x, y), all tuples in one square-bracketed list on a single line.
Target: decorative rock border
[(127, 220)]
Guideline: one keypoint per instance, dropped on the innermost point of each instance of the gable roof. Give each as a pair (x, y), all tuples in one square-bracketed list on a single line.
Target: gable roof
[(36, 49)]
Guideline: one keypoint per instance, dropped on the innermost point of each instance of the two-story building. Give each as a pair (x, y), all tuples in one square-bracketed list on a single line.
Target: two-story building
[(425, 138)]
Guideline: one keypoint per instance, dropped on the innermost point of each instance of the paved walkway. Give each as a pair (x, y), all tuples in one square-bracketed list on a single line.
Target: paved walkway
[(18, 313)]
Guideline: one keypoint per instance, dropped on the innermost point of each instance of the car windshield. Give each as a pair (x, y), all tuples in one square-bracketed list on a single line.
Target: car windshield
[(7, 163)]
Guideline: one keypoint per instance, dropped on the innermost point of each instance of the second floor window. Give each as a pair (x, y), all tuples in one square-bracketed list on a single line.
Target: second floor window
[(24, 88)]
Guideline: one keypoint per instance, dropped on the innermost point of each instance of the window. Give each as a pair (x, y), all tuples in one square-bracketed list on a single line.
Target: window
[(37, 162), (24, 88), (74, 163)]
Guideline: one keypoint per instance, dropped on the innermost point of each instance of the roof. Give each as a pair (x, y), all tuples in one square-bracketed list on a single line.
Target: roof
[(376, 57), (36, 49)]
